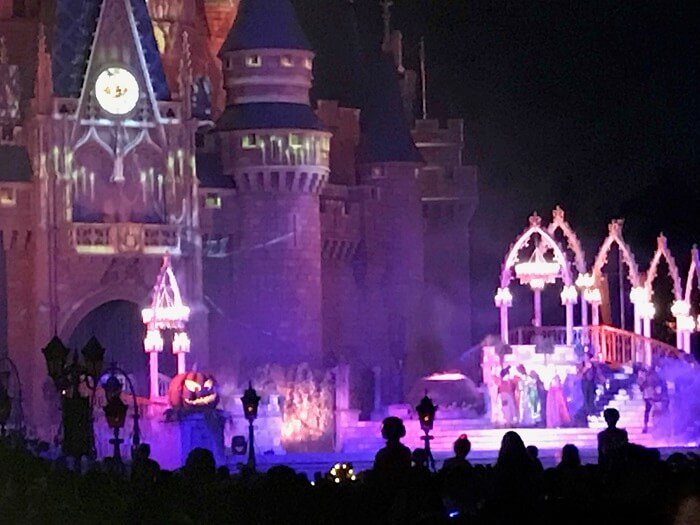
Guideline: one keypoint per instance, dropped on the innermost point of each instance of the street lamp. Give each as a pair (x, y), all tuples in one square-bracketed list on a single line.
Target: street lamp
[(250, 401), (426, 414), (110, 388), (56, 355), (93, 356), (115, 412), (78, 435)]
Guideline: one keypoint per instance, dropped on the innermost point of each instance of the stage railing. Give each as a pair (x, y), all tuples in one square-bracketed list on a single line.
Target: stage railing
[(610, 344)]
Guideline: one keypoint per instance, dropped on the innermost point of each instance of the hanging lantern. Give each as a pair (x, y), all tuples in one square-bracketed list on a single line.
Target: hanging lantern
[(537, 271)]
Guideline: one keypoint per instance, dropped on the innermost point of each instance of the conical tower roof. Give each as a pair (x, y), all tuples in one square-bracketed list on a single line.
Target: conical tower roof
[(386, 136), (265, 24)]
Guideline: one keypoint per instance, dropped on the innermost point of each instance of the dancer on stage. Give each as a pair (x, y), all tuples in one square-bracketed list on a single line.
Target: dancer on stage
[(527, 398), (495, 408), (588, 372), (505, 394), (557, 409)]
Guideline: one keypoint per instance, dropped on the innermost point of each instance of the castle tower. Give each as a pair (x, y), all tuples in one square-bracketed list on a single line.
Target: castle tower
[(113, 189), (388, 162), (277, 154), (180, 25)]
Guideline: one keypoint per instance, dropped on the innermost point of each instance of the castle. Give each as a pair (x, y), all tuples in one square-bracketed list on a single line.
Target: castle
[(299, 233)]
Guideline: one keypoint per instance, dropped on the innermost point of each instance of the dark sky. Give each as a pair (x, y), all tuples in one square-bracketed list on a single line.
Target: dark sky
[(592, 105)]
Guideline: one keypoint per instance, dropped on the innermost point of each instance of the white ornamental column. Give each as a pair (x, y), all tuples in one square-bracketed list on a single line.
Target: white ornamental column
[(504, 300), (592, 296), (647, 311), (181, 347), (537, 286), (685, 324), (569, 297), (638, 296), (153, 345)]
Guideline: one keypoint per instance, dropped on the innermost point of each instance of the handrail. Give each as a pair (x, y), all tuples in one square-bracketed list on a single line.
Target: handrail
[(610, 344)]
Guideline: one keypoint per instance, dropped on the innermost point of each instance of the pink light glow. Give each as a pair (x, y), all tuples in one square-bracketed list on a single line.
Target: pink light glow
[(446, 376)]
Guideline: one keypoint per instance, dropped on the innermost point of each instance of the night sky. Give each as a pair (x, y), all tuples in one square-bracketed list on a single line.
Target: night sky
[(591, 105)]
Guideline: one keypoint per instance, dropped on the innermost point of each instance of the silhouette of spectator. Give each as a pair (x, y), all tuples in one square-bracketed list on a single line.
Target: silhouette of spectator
[(200, 466), (462, 446), (570, 457), (419, 459), (517, 482), (534, 453), (611, 441), (394, 459), (144, 470)]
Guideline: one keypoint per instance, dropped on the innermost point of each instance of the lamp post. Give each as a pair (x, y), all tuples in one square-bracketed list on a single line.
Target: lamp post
[(426, 414), (78, 436), (115, 413), (113, 370), (250, 401)]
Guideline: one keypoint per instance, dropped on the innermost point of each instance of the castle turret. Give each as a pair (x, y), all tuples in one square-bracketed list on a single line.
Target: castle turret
[(277, 154), (388, 162)]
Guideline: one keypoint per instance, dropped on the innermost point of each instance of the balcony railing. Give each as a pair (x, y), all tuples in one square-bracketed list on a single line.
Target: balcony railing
[(611, 344), (125, 238)]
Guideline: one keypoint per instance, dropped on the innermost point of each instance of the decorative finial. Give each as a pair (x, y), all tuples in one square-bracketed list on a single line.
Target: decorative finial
[(535, 220), (558, 214), (615, 226), (661, 240)]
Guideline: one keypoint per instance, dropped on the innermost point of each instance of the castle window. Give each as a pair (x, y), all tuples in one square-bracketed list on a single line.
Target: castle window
[(8, 197), (326, 144), (294, 140), (287, 61), (253, 61), (250, 141), (308, 63), (213, 201)]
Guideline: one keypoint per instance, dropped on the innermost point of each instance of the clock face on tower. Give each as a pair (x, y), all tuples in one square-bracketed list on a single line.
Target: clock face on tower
[(117, 90)]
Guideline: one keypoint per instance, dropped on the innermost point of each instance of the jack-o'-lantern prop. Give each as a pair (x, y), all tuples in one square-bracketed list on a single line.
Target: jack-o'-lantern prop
[(193, 390)]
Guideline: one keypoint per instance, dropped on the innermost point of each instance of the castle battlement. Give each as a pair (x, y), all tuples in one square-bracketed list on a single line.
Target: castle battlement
[(432, 132), (341, 222)]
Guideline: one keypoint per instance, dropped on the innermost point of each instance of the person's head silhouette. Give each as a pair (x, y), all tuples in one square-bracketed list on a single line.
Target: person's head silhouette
[(393, 429), (570, 456), (462, 446), (611, 416)]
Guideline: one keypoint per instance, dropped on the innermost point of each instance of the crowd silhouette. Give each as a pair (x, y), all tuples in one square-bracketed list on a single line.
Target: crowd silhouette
[(629, 484)]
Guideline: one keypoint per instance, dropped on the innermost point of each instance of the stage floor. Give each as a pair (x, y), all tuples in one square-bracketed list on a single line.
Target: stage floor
[(311, 463), (485, 445)]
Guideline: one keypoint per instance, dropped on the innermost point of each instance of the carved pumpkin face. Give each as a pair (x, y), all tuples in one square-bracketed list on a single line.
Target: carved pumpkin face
[(193, 390)]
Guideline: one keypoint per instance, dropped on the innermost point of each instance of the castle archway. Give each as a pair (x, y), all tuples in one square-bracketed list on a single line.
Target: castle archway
[(118, 326)]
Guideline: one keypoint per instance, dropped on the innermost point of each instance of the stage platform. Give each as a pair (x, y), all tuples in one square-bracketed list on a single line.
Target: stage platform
[(364, 439), (311, 463)]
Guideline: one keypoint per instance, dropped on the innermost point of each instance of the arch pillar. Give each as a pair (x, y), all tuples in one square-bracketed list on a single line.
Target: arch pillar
[(569, 298), (504, 300)]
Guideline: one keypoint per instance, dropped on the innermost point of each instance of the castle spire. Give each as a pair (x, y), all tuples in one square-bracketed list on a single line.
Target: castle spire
[(265, 24), (386, 17)]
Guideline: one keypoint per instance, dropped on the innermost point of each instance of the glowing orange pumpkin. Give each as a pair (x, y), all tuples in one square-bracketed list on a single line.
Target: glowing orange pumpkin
[(193, 390)]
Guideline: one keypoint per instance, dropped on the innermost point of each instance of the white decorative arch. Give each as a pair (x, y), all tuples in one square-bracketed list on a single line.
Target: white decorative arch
[(167, 312), (615, 237), (559, 222), (662, 250), (680, 308), (583, 280), (545, 242), (693, 272), (522, 241), (638, 297)]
